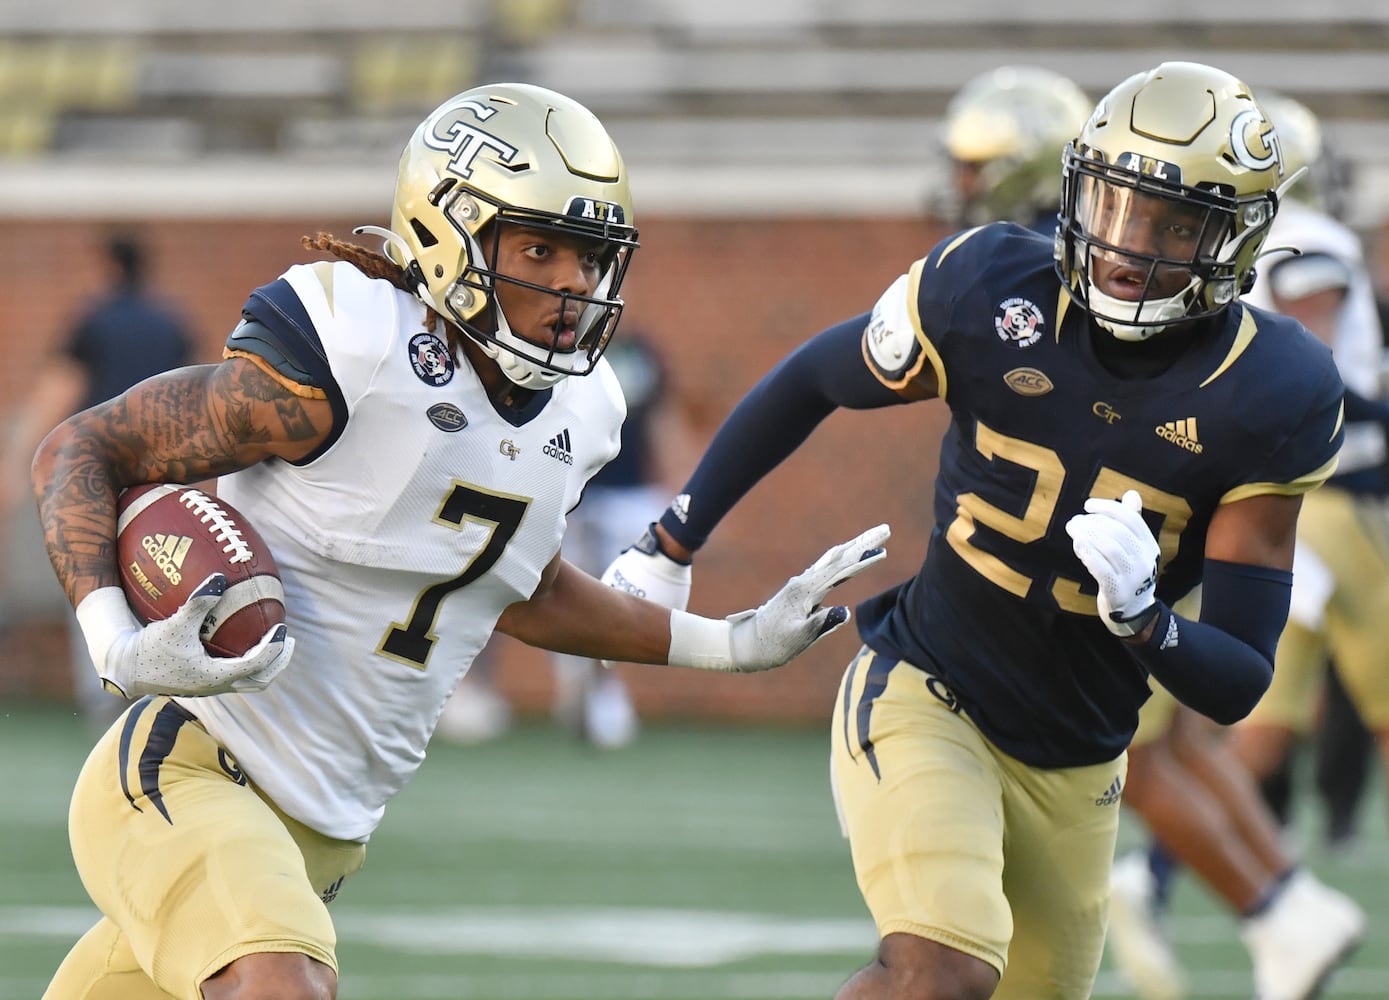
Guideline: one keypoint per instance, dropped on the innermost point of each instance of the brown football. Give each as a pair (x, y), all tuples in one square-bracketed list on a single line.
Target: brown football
[(170, 538)]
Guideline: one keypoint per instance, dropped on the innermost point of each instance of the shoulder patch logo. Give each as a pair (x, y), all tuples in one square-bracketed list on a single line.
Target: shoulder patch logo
[(1019, 322), (430, 358), (1028, 382), (447, 417)]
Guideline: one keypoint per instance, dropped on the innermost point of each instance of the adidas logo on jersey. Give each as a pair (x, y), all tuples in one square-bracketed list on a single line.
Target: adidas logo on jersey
[(559, 447), (168, 553), (1182, 433), (1112, 794)]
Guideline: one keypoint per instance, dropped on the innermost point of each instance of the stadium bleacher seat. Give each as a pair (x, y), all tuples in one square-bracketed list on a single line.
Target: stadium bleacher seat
[(728, 83)]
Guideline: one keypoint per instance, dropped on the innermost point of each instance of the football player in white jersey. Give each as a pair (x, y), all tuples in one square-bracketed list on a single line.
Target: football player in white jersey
[(1340, 606), (409, 432)]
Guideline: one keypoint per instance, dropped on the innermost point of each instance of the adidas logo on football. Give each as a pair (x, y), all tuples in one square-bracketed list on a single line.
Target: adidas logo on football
[(1112, 794), (168, 553), (1182, 433), (559, 447)]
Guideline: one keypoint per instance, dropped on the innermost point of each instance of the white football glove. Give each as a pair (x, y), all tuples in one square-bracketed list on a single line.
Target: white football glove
[(644, 570), (784, 627), (1117, 547), (168, 657)]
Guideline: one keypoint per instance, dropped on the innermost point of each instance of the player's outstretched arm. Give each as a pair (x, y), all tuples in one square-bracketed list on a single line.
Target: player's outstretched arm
[(784, 627), (572, 612), (767, 425)]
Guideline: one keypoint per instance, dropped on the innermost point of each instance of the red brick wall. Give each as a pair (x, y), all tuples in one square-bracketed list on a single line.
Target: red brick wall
[(727, 299)]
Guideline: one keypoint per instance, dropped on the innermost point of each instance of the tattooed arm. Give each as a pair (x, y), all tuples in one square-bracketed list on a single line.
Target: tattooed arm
[(182, 427)]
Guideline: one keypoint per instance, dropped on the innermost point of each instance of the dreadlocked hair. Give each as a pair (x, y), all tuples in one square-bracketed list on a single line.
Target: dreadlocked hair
[(378, 265)]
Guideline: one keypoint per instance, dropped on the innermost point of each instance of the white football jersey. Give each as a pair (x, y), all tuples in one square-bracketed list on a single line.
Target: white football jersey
[(1359, 343), (399, 546)]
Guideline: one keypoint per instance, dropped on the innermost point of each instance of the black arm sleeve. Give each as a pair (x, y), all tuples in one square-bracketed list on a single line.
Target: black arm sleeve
[(1360, 409), (772, 421), (1222, 665)]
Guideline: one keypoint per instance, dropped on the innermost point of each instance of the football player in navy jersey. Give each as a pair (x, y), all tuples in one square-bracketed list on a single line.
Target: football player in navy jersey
[(1122, 430), (1004, 131), (409, 430)]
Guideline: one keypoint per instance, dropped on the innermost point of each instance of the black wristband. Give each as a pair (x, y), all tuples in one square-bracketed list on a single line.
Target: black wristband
[(650, 543), (1134, 626)]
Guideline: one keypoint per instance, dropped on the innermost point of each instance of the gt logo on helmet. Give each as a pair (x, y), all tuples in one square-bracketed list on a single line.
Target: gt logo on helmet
[(1251, 120), (465, 142)]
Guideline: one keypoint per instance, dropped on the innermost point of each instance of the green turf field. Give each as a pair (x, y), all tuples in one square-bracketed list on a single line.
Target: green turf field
[(699, 864)]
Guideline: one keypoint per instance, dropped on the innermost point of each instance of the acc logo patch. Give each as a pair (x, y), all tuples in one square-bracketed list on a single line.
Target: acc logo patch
[(1019, 322), (446, 417), (1028, 382), (430, 358)]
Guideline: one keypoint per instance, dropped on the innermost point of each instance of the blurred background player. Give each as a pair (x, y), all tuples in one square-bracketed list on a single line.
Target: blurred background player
[(1004, 133), (590, 701), (1205, 812), (124, 335), (1340, 608)]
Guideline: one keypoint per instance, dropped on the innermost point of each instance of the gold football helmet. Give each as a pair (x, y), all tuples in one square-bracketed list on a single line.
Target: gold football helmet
[(1005, 131), (1174, 180), (510, 154)]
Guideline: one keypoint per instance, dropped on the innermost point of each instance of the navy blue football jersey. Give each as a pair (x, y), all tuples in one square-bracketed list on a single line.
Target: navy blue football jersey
[(1002, 610)]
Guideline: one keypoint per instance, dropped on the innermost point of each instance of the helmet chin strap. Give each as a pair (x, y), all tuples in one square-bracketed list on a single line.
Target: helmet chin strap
[(519, 370), (1156, 316)]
